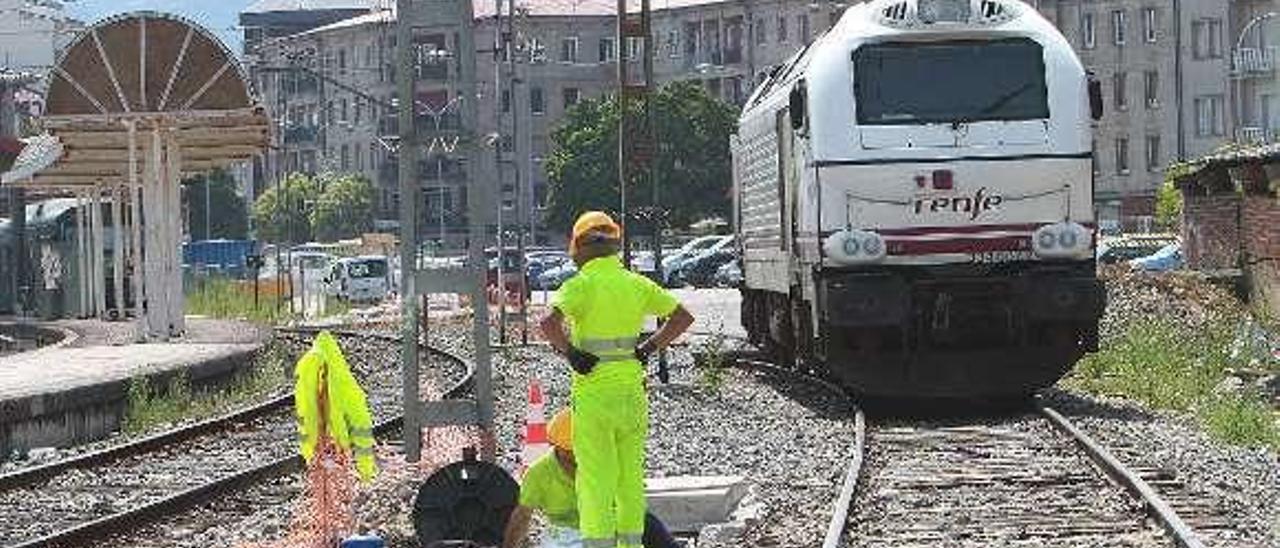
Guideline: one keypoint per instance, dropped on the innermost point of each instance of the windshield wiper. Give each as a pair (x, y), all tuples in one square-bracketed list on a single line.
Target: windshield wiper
[(1004, 100)]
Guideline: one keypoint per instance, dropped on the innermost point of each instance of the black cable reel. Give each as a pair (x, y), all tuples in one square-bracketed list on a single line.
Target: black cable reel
[(464, 505)]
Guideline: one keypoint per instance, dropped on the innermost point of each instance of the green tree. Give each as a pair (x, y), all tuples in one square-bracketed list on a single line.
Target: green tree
[(284, 214), (345, 208), (215, 193), (692, 158)]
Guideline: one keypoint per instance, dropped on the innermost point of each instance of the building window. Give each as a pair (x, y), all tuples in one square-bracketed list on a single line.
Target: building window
[(606, 50), (1122, 156), (782, 28), (1210, 117), (1120, 83), (342, 108), (673, 44), (804, 27), (1267, 112), (346, 158), (1218, 104), (1097, 160), (536, 103), (569, 50), (1153, 153), (1118, 27), (1215, 38), (1206, 39), (1150, 23), (635, 47), (762, 33), (506, 100), (1151, 87), (1088, 34), (571, 97)]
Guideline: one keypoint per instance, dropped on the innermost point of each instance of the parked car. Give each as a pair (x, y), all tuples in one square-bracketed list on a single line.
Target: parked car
[(538, 262), (716, 254), (1124, 248), (672, 262), (729, 275), (553, 278), (701, 271), (359, 279), (1167, 259)]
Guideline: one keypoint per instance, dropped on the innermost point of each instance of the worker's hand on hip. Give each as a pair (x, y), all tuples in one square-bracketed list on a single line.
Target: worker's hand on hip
[(582, 362)]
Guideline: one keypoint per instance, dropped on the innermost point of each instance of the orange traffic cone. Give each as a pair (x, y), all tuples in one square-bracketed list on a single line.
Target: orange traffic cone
[(535, 428)]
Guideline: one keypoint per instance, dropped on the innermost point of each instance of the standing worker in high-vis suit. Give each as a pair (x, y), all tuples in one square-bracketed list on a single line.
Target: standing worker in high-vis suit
[(606, 306)]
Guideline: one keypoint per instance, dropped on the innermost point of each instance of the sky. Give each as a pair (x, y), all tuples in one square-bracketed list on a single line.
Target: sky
[(219, 16)]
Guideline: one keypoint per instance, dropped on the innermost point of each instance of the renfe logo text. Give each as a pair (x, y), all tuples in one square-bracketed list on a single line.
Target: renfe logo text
[(972, 206)]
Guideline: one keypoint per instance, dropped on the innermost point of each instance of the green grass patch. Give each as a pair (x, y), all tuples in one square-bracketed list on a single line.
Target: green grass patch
[(148, 407), (710, 360), (231, 299), (1164, 366)]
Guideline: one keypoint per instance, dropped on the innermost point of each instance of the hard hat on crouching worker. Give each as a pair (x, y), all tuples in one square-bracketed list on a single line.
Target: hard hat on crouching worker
[(560, 430), (330, 403), (593, 225)]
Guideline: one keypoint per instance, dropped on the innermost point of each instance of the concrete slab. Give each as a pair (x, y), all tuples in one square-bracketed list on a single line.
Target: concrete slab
[(63, 395), (686, 504)]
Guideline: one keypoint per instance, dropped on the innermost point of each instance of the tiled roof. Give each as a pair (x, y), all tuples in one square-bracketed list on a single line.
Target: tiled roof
[(266, 6)]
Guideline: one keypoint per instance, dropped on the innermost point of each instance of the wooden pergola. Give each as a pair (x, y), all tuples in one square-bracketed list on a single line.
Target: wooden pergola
[(139, 102)]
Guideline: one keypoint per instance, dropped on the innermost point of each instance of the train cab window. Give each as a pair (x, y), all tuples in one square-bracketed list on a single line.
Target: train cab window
[(999, 80)]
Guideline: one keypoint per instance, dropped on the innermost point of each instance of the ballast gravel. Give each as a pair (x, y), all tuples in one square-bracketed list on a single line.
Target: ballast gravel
[(1229, 495)]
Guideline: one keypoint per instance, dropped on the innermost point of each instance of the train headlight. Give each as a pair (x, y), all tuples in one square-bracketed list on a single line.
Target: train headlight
[(1065, 240), (854, 247)]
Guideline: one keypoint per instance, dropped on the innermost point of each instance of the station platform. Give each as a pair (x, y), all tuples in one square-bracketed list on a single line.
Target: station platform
[(74, 391)]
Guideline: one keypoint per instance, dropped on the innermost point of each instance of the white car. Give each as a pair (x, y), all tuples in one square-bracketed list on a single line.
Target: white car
[(360, 279)]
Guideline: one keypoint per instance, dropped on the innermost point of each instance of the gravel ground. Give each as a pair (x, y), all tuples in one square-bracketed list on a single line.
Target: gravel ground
[(1230, 495), (790, 439)]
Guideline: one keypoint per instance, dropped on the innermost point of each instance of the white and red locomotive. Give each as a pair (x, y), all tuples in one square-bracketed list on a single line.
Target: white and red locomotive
[(913, 197)]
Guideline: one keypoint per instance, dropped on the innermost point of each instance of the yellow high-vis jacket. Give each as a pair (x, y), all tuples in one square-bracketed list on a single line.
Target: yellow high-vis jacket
[(347, 419)]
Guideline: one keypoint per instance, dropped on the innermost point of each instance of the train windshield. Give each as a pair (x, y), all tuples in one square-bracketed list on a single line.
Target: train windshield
[(950, 82)]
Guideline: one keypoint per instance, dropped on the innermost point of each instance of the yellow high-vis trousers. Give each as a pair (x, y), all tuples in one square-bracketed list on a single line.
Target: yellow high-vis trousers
[(610, 425)]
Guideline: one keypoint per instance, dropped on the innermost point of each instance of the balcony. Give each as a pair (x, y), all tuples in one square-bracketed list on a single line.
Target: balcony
[(1251, 62), (1257, 135)]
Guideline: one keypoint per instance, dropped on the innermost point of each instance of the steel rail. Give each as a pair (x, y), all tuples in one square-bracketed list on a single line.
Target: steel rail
[(108, 526), (1155, 505), (37, 474), (843, 502)]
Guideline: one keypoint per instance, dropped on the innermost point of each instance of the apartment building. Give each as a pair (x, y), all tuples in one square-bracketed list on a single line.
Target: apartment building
[(1180, 78), (331, 88)]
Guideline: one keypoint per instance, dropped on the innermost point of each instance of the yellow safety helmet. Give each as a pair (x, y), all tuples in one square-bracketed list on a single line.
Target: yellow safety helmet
[(593, 221), (560, 430)]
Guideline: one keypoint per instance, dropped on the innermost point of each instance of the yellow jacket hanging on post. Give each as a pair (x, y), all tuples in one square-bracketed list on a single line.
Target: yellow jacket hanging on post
[(341, 409)]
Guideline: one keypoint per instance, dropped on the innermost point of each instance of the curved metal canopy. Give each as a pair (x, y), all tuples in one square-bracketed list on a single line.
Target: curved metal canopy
[(146, 62), (148, 71)]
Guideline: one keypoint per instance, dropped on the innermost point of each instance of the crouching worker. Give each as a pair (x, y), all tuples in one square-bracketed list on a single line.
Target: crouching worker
[(548, 487)]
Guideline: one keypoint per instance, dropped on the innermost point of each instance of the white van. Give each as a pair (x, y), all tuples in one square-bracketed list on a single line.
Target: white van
[(361, 279)]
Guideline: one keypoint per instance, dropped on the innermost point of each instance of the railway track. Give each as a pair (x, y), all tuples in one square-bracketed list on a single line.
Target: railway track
[(1032, 479), (96, 495)]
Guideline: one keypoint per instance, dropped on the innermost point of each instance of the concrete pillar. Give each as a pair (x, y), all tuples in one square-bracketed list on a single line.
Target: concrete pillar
[(173, 192), (82, 263), (153, 216), (135, 224), (99, 241), (117, 251)]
